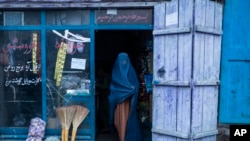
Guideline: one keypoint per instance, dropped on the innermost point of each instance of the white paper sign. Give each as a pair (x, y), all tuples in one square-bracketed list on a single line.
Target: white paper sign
[(172, 19), (77, 63), (112, 12)]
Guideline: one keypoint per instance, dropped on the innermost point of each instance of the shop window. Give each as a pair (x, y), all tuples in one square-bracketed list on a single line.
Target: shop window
[(70, 17), (68, 69), (20, 78), (19, 18)]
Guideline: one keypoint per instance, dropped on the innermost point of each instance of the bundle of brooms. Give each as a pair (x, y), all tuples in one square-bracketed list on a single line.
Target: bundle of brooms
[(66, 115), (71, 114)]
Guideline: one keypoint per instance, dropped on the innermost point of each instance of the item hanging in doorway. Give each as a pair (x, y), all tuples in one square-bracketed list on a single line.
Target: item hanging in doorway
[(34, 50), (61, 56), (79, 45), (71, 46)]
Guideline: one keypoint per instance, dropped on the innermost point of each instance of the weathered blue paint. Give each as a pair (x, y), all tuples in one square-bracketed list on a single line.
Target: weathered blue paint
[(235, 68), (44, 67), (186, 69), (92, 75)]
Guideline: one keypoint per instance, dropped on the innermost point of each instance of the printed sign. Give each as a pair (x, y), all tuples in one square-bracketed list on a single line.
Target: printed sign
[(172, 19), (77, 63), (112, 12), (111, 16)]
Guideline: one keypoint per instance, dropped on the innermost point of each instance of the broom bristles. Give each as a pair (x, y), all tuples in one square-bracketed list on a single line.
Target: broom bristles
[(61, 114), (60, 111), (80, 114), (69, 112)]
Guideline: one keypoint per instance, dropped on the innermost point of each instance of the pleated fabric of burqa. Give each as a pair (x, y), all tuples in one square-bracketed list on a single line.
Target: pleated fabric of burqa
[(123, 98)]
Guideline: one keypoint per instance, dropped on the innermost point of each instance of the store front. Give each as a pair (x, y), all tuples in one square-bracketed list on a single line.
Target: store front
[(55, 54), (51, 58)]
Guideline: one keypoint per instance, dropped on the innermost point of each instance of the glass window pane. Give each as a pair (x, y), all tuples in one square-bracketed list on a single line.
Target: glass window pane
[(70, 17), (20, 78), (20, 18), (68, 74)]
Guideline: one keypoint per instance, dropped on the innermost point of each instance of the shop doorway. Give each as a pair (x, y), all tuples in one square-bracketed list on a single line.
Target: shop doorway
[(138, 45)]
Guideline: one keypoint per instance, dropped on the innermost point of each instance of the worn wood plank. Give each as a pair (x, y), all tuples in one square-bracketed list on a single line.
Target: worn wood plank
[(217, 39), (158, 54), (206, 68), (172, 31), (198, 69), (186, 57), (217, 56), (170, 61), (166, 132), (209, 96), (184, 68), (208, 30)]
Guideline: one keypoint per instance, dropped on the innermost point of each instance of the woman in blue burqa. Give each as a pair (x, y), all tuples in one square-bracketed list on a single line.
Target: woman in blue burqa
[(124, 91)]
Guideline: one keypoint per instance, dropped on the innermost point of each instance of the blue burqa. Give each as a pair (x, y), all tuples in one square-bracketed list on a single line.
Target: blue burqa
[(125, 85)]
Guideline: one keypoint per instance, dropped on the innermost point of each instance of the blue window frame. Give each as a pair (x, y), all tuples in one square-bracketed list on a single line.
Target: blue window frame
[(45, 31)]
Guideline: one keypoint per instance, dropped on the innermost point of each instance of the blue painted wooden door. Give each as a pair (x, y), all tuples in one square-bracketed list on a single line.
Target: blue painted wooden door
[(187, 48), (172, 70), (235, 68)]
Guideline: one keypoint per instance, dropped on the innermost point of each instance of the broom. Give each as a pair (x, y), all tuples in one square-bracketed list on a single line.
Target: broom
[(80, 115), (69, 112), (61, 114)]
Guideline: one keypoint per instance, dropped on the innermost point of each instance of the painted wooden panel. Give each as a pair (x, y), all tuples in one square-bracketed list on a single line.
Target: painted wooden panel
[(235, 68), (158, 101), (206, 68), (186, 70), (172, 67)]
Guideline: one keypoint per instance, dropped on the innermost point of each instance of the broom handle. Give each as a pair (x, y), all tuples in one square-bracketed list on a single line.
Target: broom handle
[(62, 135), (66, 134), (73, 136)]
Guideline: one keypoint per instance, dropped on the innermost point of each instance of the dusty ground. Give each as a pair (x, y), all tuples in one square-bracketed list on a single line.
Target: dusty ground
[(224, 133)]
